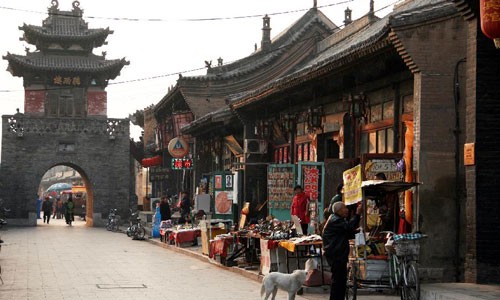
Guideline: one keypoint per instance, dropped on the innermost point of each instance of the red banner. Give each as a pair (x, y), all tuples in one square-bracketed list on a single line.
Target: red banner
[(152, 161)]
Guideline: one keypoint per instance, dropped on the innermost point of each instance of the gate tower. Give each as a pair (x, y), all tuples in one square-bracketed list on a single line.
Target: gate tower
[(65, 118)]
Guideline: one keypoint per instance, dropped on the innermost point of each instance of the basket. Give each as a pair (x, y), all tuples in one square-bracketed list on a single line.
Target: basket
[(407, 248)]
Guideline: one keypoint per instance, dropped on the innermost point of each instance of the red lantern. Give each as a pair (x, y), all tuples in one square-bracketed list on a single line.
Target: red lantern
[(490, 19), (152, 161)]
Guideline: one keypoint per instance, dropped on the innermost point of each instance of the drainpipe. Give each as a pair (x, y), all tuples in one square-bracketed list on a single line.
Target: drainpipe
[(456, 132)]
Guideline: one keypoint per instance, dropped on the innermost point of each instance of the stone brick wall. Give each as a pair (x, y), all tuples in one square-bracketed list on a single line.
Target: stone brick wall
[(98, 149), (432, 51), (487, 145)]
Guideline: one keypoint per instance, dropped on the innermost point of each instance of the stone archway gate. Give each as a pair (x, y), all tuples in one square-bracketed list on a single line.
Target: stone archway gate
[(98, 148)]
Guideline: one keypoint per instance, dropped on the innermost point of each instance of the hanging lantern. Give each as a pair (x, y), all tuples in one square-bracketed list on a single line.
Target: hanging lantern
[(490, 19)]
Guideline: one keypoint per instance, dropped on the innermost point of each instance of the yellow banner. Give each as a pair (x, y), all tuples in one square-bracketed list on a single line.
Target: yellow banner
[(352, 185)]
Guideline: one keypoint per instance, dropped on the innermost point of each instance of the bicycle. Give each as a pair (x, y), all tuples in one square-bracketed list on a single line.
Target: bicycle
[(403, 257), (112, 224), (136, 230)]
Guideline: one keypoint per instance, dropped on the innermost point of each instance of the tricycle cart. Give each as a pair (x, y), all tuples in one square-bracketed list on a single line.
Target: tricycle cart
[(380, 260)]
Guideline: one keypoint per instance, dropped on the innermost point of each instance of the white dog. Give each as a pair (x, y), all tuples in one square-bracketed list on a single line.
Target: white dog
[(290, 283)]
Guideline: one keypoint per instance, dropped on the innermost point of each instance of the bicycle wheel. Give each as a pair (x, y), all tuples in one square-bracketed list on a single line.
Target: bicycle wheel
[(139, 233), (352, 284), (411, 284), (394, 272), (114, 226)]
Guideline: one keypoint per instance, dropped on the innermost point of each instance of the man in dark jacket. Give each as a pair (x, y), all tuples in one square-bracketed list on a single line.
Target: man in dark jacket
[(165, 209), (47, 209), (185, 208), (336, 235)]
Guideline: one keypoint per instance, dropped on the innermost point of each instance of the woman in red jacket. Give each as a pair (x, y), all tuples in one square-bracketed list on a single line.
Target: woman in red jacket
[(299, 207)]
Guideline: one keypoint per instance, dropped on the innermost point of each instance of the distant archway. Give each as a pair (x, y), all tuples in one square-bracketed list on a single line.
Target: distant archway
[(65, 178)]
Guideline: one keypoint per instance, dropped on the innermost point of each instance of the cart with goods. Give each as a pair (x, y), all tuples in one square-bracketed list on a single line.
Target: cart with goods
[(380, 259)]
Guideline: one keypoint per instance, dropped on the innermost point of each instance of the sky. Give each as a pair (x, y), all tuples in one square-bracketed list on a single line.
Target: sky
[(163, 38)]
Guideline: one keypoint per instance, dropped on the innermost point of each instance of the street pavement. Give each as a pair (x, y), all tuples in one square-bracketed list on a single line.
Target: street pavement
[(58, 262)]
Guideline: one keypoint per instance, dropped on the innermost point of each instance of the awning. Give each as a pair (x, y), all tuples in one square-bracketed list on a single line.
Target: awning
[(377, 187)]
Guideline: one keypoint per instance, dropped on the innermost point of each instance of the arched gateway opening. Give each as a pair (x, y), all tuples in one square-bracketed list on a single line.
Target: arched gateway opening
[(57, 185)]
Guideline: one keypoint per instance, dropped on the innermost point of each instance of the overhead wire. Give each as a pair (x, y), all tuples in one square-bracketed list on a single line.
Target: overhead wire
[(201, 68), (182, 20)]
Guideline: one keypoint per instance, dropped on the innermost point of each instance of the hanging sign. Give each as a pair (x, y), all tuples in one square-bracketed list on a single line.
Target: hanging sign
[(352, 185), (182, 163), (152, 161), (178, 148)]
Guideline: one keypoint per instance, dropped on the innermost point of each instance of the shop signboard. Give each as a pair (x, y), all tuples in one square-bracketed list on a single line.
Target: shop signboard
[(381, 163), (280, 184), (178, 147), (352, 185)]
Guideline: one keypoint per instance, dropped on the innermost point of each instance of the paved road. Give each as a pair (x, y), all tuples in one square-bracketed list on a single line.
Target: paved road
[(60, 262)]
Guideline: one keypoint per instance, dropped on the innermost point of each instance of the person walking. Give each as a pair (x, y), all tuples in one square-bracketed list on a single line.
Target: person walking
[(336, 234), (47, 209), (69, 210)]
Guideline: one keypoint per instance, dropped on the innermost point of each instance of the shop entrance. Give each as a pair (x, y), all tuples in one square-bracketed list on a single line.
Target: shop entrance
[(60, 183)]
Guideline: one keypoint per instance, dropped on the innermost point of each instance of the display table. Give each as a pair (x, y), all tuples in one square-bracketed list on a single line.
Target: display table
[(272, 257), (247, 243), (220, 246), (303, 249), (183, 236)]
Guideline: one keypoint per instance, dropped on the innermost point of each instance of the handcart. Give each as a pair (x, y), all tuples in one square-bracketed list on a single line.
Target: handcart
[(376, 264)]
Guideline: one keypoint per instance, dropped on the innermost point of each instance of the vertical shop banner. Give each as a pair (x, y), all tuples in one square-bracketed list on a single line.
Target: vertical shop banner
[(311, 179), (352, 185)]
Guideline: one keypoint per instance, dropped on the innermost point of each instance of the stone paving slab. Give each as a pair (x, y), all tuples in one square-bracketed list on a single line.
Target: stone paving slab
[(59, 262), (459, 291)]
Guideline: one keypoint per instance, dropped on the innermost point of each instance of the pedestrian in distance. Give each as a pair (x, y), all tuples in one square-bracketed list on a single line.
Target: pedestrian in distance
[(69, 210), (336, 234), (39, 202), (165, 209), (47, 210), (300, 203)]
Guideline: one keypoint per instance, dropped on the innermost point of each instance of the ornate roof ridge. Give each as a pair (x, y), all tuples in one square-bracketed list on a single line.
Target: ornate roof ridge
[(260, 58), (64, 26), (65, 63)]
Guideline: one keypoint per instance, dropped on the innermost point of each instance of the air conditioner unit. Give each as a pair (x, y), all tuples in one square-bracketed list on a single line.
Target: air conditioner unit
[(255, 146)]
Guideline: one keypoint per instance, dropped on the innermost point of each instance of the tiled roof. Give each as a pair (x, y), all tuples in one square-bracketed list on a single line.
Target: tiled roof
[(208, 93), (65, 63), (64, 26), (66, 30), (374, 33)]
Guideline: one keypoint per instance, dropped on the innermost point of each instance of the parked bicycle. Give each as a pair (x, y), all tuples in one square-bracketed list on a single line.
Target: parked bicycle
[(112, 224), (3, 214), (407, 248), (136, 230)]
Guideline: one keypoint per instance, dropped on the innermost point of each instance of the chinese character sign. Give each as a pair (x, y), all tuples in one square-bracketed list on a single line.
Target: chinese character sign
[(182, 163), (352, 185), (311, 179)]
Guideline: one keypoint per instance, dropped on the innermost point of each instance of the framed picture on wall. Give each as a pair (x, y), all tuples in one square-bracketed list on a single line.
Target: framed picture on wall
[(229, 182), (218, 182)]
